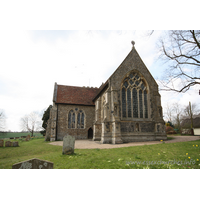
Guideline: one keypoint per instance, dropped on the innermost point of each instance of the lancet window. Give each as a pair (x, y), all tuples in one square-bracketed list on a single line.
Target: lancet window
[(80, 119), (134, 97), (71, 119)]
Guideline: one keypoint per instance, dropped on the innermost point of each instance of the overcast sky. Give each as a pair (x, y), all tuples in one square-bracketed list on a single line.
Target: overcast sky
[(32, 61)]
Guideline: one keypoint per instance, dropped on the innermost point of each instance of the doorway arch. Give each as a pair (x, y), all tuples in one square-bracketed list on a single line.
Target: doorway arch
[(90, 133)]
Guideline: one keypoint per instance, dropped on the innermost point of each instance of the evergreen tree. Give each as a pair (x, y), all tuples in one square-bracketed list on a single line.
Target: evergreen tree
[(45, 118)]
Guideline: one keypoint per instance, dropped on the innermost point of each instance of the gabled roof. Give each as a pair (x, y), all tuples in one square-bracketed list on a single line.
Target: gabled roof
[(74, 95), (129, 56)]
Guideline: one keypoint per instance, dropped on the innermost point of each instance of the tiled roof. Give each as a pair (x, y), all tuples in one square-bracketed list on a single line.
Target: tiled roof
[(75, 95)]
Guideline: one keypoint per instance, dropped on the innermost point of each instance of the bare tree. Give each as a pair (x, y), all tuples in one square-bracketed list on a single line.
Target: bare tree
[(177, 115), (181, 49), (168, 112), (194, 110), (31, 123)]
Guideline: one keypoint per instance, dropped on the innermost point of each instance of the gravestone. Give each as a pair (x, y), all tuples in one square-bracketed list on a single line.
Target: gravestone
[(68, 144), (33, 164), (28, 137), (8, 144), (15, 144), (1, 143)]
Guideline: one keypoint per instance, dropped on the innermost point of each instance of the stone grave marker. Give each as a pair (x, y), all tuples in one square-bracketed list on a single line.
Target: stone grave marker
[(68, 144), (28, 137), (8, 144), (15, 144), (1, 143), (33, 164)]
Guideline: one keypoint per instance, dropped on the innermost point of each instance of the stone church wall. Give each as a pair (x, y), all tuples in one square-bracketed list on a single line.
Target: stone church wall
[(62, 121), (126, 129)]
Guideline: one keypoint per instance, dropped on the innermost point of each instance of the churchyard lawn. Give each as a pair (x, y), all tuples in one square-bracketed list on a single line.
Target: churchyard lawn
[(181, 155)]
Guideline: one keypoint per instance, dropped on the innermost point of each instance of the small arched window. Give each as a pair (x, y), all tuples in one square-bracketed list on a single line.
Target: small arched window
[(71, 119), (134, 97), (80, 119)]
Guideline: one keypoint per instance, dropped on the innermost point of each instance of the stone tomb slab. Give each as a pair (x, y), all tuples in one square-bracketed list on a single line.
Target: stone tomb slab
[(8, 144), (33, 164), (28, 137), (1, 143), (68, 144), (15, 144)]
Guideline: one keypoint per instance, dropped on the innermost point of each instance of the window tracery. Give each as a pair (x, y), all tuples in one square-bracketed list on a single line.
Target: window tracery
[(76, 119), (134, 97)]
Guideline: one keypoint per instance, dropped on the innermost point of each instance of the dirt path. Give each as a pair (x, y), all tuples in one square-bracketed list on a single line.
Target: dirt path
[(89, 144)]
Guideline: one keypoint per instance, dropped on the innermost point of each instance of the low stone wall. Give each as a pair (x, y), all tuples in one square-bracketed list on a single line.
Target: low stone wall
[(142, 137)]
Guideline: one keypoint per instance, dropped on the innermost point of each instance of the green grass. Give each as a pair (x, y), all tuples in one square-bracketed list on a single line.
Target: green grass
[(17, 134), (119, 158)]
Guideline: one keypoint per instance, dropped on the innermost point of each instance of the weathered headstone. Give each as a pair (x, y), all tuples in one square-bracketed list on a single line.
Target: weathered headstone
[(28, 137), (1, 143), (15, 144), (68, 144), (33, 164), (8, 144)]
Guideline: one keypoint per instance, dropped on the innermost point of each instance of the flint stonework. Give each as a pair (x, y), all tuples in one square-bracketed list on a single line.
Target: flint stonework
[(68, 144), (33, 164)]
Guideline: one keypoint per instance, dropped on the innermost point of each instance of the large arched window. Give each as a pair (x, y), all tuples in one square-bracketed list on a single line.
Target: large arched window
[(134, 97)]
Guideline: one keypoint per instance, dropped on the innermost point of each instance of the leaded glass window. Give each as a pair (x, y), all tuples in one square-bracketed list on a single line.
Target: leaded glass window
[(71, 119), (123, 102), (145, 104), (76, 119), (141, 104), (135, 103), (129, 102), (134, 97), (80, 119)]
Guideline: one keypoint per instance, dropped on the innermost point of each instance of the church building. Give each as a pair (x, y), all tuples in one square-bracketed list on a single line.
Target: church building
[(126, 108)]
